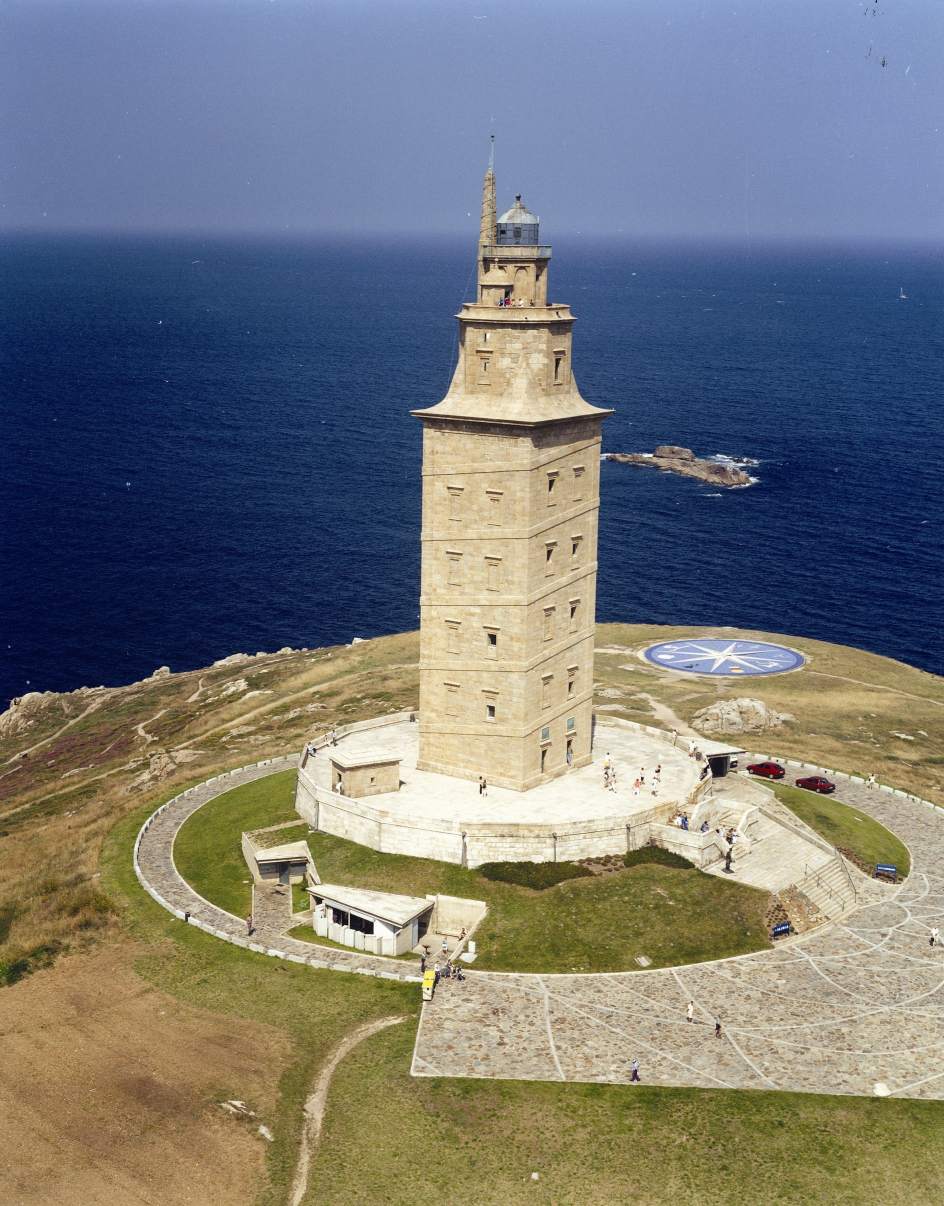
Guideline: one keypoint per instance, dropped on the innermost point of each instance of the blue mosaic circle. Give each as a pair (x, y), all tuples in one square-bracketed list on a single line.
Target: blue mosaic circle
[(724, 658)]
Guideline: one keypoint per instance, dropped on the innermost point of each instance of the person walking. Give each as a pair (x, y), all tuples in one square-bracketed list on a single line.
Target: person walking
[(717, 1028), (250, 928), (690, 1012), (934, 936), (484, 786), (481, 784), (634, 1072), (870, 782), (445, 945)]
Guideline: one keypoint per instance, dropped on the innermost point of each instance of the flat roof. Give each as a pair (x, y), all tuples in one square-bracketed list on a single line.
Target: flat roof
[(290, 852), (713, 748), (385, 906), (351, 761)]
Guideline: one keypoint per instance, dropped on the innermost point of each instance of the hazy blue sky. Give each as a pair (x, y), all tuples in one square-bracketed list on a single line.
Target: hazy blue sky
[(677, 117)]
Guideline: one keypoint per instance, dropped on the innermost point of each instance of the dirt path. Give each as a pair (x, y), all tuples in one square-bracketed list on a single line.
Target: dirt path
[(93, 706), (142, 732), (842, 678), (664, 713), (318, 1098)]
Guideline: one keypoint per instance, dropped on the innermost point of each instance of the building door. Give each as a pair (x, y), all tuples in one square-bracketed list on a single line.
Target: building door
[(570, 751), (543, 757), (284, 873)]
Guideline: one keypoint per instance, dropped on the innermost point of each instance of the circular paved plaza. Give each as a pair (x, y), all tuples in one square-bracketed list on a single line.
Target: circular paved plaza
[(857, 1006)]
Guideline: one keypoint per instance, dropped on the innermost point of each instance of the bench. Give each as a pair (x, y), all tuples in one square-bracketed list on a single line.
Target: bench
[(888, 870), (781, 929)]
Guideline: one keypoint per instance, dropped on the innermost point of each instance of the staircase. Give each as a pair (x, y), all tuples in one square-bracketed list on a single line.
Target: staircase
[(830, 888)]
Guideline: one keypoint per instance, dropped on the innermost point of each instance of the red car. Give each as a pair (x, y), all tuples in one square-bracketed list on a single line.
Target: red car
[(816, 783), (767, 770)]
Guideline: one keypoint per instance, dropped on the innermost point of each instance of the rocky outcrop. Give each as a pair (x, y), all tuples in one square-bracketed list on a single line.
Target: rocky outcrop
[(739, 716), (673, 459)]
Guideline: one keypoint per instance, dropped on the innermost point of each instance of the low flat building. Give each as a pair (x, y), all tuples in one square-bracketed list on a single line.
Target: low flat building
[(285, 864), (383, 923)]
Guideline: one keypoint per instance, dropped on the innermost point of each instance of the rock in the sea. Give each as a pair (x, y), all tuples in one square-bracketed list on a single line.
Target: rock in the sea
[(672, 458), (739, 716)]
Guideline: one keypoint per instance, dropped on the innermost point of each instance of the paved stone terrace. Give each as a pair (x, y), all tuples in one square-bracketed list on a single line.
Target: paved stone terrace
[(855, 1007)]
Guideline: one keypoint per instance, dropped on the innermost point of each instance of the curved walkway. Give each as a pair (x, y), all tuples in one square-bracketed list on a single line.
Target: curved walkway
[(854, 1007), (157, 874)]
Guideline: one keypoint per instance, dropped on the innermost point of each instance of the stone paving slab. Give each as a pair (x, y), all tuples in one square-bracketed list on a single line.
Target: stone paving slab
[(856, 1004)]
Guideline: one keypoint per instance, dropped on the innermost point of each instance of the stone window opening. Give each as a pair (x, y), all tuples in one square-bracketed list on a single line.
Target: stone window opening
[(575, 543), (548, 623), (493, 573), (574, 614), (454, 561), (455, 502), (491, 642), (494, 507), (549, 556), (579, 477), (491, 709), (558, 370), (571, 682), (551, 483), (452, 636), (547, 682), (452, 699)]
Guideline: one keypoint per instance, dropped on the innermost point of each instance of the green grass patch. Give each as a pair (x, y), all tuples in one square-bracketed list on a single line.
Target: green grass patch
[(603, 1144), (24, 963), (647, 855), (301, 901), (207, 850), (536, 876), (846, 827), (660, 907)]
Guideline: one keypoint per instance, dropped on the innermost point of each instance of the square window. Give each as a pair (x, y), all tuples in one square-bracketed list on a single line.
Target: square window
[(571, 723), (489, 711), (546, 733)]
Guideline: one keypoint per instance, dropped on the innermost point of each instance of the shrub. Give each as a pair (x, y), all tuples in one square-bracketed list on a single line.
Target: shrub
[(532, 875), (16, 967), (655, 854)]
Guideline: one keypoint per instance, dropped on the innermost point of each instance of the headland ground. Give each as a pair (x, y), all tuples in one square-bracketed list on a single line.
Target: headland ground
[(150, 1025)]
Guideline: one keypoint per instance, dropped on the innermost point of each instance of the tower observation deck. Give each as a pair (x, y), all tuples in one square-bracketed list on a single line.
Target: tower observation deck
[(511, 462)]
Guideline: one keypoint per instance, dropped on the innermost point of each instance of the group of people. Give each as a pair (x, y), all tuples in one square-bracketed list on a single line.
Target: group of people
[(609, 777), (330, 738), (510, 301)]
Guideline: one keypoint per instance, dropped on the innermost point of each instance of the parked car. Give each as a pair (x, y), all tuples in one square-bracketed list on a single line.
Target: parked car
[(816, 783), (767, 770)]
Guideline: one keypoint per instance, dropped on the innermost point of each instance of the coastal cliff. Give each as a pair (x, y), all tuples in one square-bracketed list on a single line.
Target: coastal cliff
[(673, 459)]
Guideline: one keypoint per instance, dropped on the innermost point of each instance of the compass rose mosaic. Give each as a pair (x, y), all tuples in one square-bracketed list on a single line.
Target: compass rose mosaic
[(724, 658)]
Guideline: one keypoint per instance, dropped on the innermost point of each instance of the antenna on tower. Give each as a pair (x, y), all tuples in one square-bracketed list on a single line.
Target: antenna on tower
[(491, 155)]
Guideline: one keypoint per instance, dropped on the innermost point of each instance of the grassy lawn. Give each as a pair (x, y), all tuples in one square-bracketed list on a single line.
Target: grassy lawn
[(672, 915), (309, 1011), (615, 1143), (846, 827), (207, 850), (301, 901)]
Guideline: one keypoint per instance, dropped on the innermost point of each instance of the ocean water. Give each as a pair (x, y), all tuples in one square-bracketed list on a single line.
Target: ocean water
[(207, 444)]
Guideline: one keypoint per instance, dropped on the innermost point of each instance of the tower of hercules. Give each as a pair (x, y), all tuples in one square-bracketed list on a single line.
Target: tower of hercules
[(511, 470)]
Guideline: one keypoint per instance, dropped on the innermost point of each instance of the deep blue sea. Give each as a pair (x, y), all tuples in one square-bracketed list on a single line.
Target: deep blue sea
[(207, 445)]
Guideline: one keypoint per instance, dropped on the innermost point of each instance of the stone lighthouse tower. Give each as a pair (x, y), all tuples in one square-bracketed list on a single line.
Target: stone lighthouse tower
[(511, 466)]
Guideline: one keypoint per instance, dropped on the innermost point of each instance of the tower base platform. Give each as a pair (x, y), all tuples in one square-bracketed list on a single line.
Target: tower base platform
[(436, 816)]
